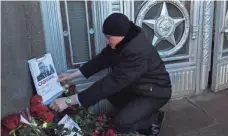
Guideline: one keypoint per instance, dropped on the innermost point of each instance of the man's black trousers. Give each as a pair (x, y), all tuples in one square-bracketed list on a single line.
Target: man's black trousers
[(135, 112)]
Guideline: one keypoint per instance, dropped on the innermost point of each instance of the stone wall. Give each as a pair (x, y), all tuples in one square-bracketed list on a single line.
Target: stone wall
[(22, 39)]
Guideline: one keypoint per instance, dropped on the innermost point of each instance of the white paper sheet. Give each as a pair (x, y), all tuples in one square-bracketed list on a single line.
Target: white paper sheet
[(69, 124), (45, 78)]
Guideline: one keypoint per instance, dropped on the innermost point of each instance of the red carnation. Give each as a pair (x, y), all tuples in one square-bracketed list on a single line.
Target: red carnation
[(97, 131), (39, 108), (102, 124), (93, 134), (33, 109), (40, 114), (110, 132), (4, 132), (97, 124), (102, 117), (72, 89), (103, 133), (48, 116), (36, 99), (11, 121)]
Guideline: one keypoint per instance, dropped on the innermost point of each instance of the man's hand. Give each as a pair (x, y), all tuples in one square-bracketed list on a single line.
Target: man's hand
[(59, 105), (65, 77)]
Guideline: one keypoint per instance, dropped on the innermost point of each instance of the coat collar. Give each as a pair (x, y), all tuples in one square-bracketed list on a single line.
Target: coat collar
[(132, 33)]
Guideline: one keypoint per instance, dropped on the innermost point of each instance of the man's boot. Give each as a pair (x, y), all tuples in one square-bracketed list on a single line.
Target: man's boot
[(157, 124)]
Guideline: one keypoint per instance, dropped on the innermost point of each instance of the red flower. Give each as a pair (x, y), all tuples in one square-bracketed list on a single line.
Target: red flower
[(97, 131), (4, 132), (11, 121), (72, 89), (48, 116), (33, 109), (40, 114), (103, 133), (102, 124), (36, 99), (110, 132), (39, 108), (97, 124), (93, 134), (102, 117)]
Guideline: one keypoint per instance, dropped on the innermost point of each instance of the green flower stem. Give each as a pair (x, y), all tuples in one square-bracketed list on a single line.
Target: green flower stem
[(14, 130), (38, 131)]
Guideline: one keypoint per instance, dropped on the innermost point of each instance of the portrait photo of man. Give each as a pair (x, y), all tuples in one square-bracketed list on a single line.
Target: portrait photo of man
[(44, 71)]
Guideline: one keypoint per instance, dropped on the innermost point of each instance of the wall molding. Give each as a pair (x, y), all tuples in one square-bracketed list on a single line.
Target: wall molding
[(53, 33), (208, 17)]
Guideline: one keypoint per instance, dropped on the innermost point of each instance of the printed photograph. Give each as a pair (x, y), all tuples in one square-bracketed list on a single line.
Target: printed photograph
[(45, 70)]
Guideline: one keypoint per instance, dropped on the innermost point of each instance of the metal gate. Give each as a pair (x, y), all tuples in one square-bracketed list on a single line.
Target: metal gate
[(220, 58), (182, 32)]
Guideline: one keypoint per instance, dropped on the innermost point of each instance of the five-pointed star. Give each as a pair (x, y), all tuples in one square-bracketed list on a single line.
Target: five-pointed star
[(152, 22)]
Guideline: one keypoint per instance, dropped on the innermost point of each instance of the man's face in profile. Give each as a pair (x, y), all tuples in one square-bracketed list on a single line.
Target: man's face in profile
[(42, 67)]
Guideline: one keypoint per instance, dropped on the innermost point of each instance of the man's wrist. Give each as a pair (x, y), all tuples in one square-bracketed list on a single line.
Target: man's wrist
[(74, 75), (77, 74), (68, 101), (73, 100)]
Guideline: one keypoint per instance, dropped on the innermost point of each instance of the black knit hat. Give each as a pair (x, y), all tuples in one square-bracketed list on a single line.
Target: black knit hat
[(116, 24)]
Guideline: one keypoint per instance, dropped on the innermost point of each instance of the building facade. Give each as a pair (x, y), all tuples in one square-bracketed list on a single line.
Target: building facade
[(191, 37)]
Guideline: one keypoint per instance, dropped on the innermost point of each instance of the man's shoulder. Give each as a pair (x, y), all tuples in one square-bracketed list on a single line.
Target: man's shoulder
[(144, 50), (137, 49), (139, 43)]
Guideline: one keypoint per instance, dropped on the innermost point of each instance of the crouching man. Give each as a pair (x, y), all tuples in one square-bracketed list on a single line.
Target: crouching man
[(138, 85)]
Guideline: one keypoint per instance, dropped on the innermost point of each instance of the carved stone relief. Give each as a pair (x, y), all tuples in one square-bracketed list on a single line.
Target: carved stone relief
[(164, 25)]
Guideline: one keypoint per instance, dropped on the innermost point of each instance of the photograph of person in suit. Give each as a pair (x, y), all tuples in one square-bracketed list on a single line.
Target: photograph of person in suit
[(51, 68), (44, 71)]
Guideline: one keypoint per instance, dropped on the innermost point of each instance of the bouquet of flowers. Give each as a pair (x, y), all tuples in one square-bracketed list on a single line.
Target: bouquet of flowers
[(38, 120)]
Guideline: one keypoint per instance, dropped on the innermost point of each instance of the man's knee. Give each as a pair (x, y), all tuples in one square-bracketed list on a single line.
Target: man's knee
[(120, 127), (128, 124), (123, 124)]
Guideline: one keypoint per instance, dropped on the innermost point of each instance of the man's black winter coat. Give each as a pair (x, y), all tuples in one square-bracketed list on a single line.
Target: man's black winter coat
[(136, 65)]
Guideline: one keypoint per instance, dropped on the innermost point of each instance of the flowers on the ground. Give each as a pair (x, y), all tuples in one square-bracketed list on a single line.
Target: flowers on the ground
[(45, 125), (4, 131), (37, 99), (69, 90), (39, 110), (72, 89), (110, 132), (48, 116), (102, 117), (93, 134), (42, 122), (11, 121)]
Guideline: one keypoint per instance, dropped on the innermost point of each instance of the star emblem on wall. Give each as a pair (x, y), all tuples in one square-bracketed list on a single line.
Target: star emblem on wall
[(164, 26)]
